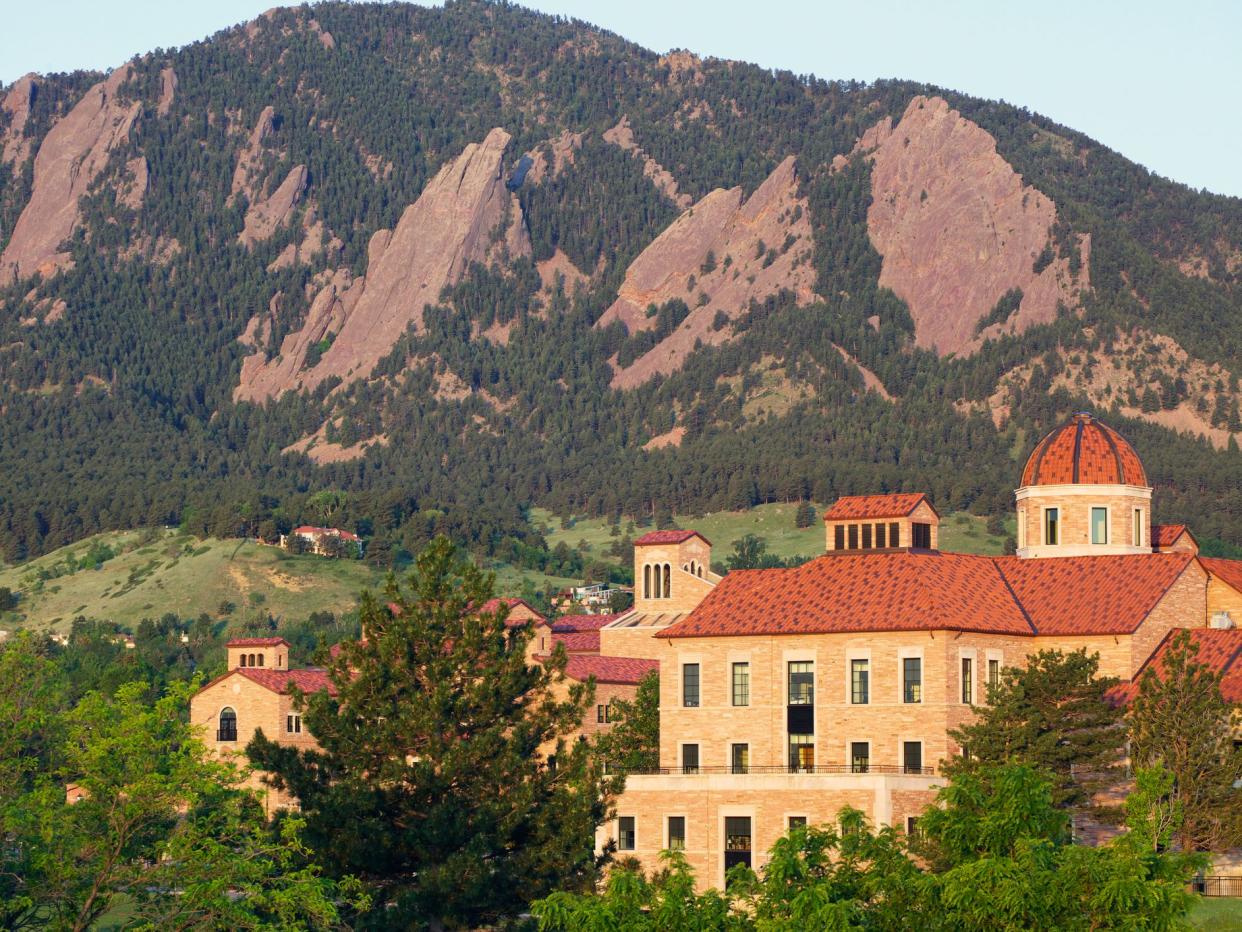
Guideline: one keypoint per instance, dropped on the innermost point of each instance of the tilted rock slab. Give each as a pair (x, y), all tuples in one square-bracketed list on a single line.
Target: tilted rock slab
[(464, 215), (14, 147), (71, 156), (957, 228), (721, 224), (265, 216)]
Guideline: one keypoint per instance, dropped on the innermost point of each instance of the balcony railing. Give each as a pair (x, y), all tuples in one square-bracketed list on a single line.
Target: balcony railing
[(779, 768)]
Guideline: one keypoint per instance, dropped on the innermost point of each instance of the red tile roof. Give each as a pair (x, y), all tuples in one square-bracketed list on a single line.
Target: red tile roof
[(880, 591), (278, 681), (899, 505), (492, 605), (669, 537), (584, 622), (578, 641), (1084, 450), (1166, 535), (1092, 595), (1227, 571), (314, 531), (1219, 651), (626, 671), (256, 642)]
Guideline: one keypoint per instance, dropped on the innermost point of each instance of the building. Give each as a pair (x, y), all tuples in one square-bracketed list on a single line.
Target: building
[(323, 541), (787, 694)]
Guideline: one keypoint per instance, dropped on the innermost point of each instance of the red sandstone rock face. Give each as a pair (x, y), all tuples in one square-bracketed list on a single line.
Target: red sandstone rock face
[(958, 229), (450, 226), (71, 156), (14, 147), (621, 135), (732, 231), (168, 90), (251, 157), (266, 215)]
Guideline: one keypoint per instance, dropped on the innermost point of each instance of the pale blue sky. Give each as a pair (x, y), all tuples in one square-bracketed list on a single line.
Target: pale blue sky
[(1157, 81)]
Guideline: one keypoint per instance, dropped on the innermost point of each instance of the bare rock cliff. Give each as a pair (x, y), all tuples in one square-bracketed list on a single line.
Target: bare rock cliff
[(957, 229), (464, 215), (71, 156), (266, 215), (716, 257), (14, 147), (251, 157)]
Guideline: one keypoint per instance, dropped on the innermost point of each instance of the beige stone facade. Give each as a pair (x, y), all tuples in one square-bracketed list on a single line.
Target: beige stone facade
[(1126, 526)]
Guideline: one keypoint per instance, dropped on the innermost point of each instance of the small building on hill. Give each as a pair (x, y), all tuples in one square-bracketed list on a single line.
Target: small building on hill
[(323, 541)]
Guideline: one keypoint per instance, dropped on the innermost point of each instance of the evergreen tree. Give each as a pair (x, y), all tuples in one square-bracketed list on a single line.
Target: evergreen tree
[(633, 742), (1053, 714), (442, 780), (805, 515)]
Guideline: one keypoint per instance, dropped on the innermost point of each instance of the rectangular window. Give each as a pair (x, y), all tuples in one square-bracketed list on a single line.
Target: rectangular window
[(920, 536), (866, 536), (912, 679), (690, 685), (912, 826), (860, 756), (879, 537), (626, 835), (838, 537), (608, 713), (741, 684), (676, 833), (1052, 526), (801, 682), (894, 534), (1138, 527), (968, 681), (912, 756), (739, 758), (797, 820), (689, 758), (737, 841), (1099, 525), (993, 672), (293, 724), (853, 537), (860, 682), (801, 754), (599, 714)]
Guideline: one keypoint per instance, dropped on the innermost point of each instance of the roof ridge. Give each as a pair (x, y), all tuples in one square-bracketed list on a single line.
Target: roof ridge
[(1013, 595)]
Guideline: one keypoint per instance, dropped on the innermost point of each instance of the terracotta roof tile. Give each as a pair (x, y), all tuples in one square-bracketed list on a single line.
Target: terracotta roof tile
[(584, 622), (1227, 571), (669, 537), (309, 681), (892, 591), (1092, 595), (1166, 535), (578, 641), (1219, 651), (312, 530), (492, 605), (622, 670), (874, 506), (256, 642), (1084, 450)]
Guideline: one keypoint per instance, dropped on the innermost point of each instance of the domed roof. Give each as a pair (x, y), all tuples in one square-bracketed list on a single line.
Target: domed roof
[(1084, 450)]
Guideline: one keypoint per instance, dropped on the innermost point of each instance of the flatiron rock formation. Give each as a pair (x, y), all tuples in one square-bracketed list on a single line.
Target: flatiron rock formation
[(958, 229), (71, 156), (14, 147), (716, 257), (464, 215), (266, 215), (621, 135)]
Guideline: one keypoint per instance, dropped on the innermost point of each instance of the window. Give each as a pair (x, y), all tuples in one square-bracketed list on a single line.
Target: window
[(920, 536), (860, 756), (993, 672), (260, 660), (689, 758), (1099, 525), (241, 660), (599, 714), (853, 537), (912, 755), (801, 754), (866, 536), (801, 682), (894, 534), (838, 537), (676, 833), (739, 758), (879, 536), (737, 841), (1138, 527), (912, 826), (626, 835), (1021, 528), (228, 725), (293, 723), (796, 821), (860, 682), (647, 581), (968, 681), (741, 684), (690, 685), (1052, 526), (912, 679), (668, 581)]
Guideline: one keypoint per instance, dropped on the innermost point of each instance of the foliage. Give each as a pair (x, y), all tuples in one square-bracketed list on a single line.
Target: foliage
[(1053, 714), (632, 745), (434, 782), (1180, 720)]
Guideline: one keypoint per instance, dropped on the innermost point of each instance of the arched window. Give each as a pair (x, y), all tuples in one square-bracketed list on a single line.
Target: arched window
[(228, 725), (668, 579), (647, 581), (241, 661), (253, 661), (260, 660), (655, 581)]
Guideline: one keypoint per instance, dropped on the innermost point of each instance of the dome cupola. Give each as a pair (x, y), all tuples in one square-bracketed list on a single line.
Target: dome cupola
[(1084, 492)]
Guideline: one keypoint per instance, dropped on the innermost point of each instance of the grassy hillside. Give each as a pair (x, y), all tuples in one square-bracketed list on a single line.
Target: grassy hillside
[(157, 571)]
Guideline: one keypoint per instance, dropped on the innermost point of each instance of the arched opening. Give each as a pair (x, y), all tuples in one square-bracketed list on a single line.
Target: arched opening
[(647, 581), (228, 725), (655, 581), (260, 656), (668, 580), (241, 661)]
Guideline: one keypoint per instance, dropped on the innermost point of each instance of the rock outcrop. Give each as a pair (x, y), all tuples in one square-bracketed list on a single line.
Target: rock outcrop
[(958, 229), (716, 257), (464, 215), (265, 215), (168, 90), (70, 158), (621, 135), (133, 186), (14, 147), (250, 159)]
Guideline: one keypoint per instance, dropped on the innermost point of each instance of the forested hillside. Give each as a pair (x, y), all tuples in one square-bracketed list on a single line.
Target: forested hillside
[(452, 263)]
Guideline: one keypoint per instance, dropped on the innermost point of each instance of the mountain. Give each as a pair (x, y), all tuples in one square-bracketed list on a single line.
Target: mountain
[(452, 263)]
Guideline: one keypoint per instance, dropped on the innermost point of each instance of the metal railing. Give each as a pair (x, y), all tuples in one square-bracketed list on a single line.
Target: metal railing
[(779, 768), (1218, 886)]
